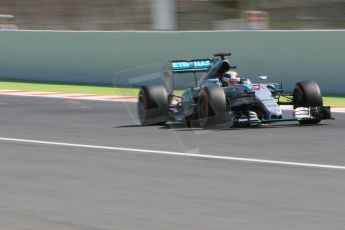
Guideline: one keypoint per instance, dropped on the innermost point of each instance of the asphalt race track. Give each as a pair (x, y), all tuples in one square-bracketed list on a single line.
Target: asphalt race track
[(62, 167)]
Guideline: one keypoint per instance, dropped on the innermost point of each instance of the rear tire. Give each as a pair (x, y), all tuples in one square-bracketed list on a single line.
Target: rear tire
[(212, 110), (153, 105), (307, 94)]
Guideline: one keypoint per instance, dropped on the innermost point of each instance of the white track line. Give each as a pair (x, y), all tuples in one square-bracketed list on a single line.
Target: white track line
[(207, 156)]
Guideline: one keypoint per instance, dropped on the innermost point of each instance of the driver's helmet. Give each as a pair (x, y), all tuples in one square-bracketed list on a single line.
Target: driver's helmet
[(231, 78)]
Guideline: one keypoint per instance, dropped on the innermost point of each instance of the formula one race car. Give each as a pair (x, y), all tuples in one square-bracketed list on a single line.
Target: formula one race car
[(221, 99)]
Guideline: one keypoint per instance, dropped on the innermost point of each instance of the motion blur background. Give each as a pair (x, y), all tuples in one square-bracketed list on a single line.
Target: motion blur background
[(171, 14)]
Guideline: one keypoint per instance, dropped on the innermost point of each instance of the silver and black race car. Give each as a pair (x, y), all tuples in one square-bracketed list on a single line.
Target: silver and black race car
[(221, 99)]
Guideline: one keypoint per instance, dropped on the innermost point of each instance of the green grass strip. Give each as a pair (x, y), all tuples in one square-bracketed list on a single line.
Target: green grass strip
[(333, 100), (68, 88)]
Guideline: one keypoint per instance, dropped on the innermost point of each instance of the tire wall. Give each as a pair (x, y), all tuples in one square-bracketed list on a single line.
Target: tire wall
[(94, 57)]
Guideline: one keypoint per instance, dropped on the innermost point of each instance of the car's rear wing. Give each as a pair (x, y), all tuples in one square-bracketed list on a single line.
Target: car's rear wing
[(183, 67), (192, 66)]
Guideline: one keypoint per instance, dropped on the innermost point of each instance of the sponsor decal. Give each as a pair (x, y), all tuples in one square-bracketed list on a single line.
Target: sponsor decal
[(180, 65), (185, 65)]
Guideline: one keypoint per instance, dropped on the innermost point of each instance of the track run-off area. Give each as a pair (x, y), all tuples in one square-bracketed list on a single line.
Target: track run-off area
[(68, 163)]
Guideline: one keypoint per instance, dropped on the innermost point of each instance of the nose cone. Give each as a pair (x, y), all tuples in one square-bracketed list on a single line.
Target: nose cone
[(271, 106)]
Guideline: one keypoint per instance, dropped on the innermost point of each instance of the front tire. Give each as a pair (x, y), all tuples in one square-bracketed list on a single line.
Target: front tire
[(307, 94), (153, 105)]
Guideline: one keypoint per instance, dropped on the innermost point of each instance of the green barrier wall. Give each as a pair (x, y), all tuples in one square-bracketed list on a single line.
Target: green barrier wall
[(94, 57)]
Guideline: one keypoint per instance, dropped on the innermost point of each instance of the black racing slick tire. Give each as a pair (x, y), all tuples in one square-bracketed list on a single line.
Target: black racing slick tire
[(212, 109), (307, 94), (153, 105)]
